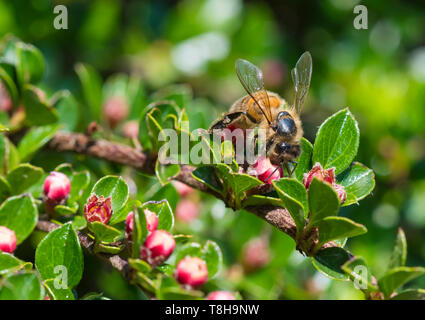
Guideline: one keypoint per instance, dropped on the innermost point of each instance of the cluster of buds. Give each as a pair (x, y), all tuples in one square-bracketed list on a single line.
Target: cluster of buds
[(327, 175), (7, 240), (255, 254), (191, 272), (159, 245), (115, 110), (265, 171), (220, 295), (98, 209), (151, 222), (56, 190)]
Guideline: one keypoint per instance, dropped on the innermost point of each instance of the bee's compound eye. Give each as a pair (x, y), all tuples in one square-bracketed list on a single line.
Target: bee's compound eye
[(282, 147)]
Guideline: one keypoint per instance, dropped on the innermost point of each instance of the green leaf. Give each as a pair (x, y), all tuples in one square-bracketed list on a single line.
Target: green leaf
[(396, 277), (166, 172), (332, 228), (19, 214), (79, 223), (23, 177), (59, 254), (294, 198), (9, 84), (65, 210), (140, 231), (337, 141), (329, 261), (212, 256), (4, 189), (412, 294), (104, 233), (177, 293), (122, 213), (23, 286), (261, 200), (163, 211), (56, 292), (398, 256), (38, 112), (304, 160), (323, 201), (35, 139), (9, 263), (67, 109), (359, 273), (207, 175), (139, 265), (114, 187), (91, 83), (192, 249), (358, 181), (243, 182), (30, 63)]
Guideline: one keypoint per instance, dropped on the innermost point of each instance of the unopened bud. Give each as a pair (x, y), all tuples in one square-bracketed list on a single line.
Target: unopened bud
[(255, 254), (265, 171), (115, 110), (221, 295), (158, 247), (191, 271), (98, 209), (7, 240), (187, 210), (56, 186)]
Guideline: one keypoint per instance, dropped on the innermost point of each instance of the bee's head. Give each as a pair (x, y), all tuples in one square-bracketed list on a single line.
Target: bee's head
[(285, 125)]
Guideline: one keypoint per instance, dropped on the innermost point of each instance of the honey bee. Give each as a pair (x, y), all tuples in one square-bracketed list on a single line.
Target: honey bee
[(267, 110)]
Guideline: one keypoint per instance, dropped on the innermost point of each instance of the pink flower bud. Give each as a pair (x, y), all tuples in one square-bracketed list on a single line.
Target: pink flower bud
[(221, 295), (98, 209), (131, 129), (255, 254), (191, 271), (56, 187), (327, 175), (158, 247), (115, 110), (182, 188), (187, 210), (265, 171), (151, 222), (7, 240)]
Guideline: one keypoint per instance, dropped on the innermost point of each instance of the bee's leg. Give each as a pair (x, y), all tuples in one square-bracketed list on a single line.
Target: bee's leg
[(295, 164), (227, 119), (287, 169), (271, 174)]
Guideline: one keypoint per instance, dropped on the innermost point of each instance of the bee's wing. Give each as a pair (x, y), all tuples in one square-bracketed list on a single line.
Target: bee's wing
[(301, 75), (251, 78)]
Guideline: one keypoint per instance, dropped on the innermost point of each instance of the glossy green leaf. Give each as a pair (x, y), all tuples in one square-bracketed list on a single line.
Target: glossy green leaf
[(140, 231), (192, 249), (30, 63), (56, 292), (91, 84), (163, 211), (329, 261), (38, 112), (294, 198), (23, 176), (259, 200), (166, 172), (358, 181), (59, 254), (323, 201), (22, 286), (4, 189), (9, 263), (212, 256), (9, 84), (398, 256), (412, 294), (122, 213), (139, 265), (337, 141), (207, 175), (304, 160), (332, 228), (19, 214), (359, 273), (104, 233), (114, 187), (35, 139), (396, 277)]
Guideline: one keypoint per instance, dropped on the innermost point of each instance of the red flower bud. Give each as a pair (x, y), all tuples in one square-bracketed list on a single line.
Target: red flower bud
[(56, 186), (98, 209), (182, 188), (7, 240), (191, 271), (131, 129), (158, 247), (187, 210), (327, 175), (265, 171), (255, 254), (221, 295), (115, 110)]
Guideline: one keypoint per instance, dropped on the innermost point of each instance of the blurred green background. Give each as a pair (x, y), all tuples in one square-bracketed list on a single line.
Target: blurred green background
[(379, 73)]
